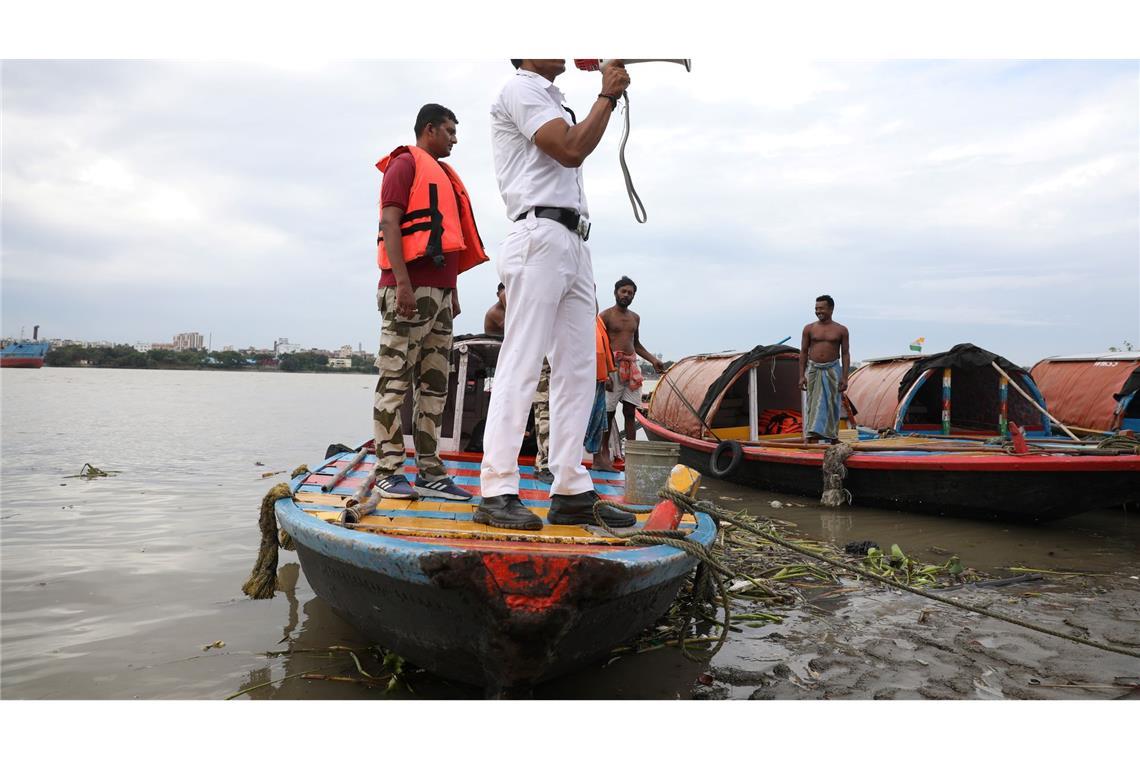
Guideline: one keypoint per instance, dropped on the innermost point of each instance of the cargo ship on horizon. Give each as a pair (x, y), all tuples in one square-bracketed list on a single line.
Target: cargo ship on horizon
[(25, 353)]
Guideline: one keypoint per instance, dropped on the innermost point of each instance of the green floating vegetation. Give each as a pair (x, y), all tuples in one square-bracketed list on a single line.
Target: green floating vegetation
[(899, 567), (90, 471)]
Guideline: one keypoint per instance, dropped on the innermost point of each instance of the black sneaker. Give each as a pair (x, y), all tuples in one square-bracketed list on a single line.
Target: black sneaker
[(578, 509), (395, 487), (506, 511), (544, 476), (441, 488)]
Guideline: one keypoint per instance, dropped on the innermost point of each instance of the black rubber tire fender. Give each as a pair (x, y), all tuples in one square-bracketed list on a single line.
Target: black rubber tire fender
[(736, 456)]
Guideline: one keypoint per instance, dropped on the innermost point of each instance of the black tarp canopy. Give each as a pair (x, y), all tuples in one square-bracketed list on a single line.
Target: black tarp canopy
[(738, 365), (1131, 385), (963, 355)]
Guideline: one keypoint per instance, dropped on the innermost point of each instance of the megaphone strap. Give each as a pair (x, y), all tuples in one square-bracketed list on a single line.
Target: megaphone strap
[(634, 199)]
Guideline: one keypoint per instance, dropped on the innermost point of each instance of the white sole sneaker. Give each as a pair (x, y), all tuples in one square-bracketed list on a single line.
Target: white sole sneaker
[(430, 492), (393, 495)]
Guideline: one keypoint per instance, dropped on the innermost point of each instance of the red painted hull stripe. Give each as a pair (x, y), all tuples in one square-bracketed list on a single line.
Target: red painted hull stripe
[(894, 461)]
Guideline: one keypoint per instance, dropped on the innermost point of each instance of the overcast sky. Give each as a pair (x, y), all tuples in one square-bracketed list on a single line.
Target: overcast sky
[(991, 202)]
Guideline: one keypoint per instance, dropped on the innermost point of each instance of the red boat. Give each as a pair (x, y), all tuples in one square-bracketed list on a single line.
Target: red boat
[(711, 405)]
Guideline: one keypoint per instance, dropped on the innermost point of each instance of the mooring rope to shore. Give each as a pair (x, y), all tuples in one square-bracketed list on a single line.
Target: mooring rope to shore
[(719, 573)]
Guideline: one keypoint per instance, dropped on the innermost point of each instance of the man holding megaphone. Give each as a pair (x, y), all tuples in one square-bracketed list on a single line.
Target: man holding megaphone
[(539, 148)]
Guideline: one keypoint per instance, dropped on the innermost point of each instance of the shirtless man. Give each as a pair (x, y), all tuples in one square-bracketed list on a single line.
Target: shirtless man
[(622, 326), (823, 343), (496, 316)]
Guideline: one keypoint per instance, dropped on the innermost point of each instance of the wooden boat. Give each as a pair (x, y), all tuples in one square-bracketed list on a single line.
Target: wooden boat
[(963, 478), (1095, 392), (474, 603)]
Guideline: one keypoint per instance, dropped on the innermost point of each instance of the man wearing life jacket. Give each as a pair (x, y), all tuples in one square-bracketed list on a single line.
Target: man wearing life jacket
[(427, 237), (538, 148)]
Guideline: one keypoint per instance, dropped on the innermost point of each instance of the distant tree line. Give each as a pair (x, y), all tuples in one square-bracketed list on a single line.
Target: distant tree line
[(310, 361), (124, 356)]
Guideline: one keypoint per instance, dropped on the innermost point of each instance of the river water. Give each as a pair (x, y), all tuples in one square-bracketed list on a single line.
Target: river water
[(113, 588)]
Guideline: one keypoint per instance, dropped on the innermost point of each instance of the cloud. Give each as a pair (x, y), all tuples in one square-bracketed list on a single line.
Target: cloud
[(147, 198)]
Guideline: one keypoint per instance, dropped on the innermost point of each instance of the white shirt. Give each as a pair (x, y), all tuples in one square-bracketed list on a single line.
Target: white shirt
[(527, 176)]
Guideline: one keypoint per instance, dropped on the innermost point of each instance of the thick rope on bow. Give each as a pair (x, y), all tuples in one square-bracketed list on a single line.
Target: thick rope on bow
[(263, 578), (834, 471), (284, 540), (709, 570)]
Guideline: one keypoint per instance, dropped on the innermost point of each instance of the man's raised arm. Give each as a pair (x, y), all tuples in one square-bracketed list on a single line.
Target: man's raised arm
[(569, 145)]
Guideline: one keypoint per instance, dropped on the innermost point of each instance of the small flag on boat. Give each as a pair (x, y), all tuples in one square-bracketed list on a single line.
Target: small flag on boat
[(916, 345)]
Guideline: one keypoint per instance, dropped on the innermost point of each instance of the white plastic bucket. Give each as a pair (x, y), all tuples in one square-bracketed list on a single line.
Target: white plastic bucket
[(647, 468)]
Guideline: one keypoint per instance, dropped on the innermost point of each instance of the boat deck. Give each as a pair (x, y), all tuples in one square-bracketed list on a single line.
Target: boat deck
[(428, 518)]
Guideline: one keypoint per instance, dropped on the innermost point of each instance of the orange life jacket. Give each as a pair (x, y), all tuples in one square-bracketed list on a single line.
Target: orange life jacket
[(603, 354), (438, 218), (774, 421)]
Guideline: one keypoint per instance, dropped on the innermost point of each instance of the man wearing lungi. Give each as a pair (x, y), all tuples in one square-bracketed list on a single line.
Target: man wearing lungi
[(825, 343), (624, 328)]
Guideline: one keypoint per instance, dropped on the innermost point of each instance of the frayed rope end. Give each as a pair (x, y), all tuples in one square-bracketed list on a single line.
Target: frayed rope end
[(262, 581), (834, 471)]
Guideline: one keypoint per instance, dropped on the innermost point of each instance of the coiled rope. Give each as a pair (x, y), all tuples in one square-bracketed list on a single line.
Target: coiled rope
[(1120, 442), (719, 573), (709, 569)]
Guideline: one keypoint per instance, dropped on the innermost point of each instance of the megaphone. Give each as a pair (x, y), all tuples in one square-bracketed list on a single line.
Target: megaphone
[(594, 64)]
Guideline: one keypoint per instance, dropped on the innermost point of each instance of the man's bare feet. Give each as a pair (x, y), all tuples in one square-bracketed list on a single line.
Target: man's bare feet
[(603, 463)]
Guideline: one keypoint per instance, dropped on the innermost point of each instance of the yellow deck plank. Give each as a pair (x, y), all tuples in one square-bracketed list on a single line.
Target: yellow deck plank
[(427, 526)]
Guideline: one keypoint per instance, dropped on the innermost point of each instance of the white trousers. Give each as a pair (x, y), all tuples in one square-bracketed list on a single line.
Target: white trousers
[(551, 304)]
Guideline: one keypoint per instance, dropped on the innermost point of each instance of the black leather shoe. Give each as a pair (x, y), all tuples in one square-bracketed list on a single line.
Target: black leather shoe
[(544, 476), (578, 509), (506, 512)]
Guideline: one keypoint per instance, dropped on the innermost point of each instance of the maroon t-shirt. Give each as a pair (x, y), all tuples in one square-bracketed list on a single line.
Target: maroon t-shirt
[(394, 191)]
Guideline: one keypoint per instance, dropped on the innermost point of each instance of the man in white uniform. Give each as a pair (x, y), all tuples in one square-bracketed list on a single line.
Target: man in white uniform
[(545, 265)]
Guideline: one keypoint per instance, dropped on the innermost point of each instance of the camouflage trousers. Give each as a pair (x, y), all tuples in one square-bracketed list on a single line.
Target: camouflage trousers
[(414, 353), (542, 419)]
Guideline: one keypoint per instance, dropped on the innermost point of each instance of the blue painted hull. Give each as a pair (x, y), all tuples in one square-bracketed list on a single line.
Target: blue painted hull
[(24, 354), (503, 614)]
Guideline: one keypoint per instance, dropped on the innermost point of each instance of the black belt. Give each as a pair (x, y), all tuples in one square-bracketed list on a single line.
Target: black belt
[(567, 217)]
